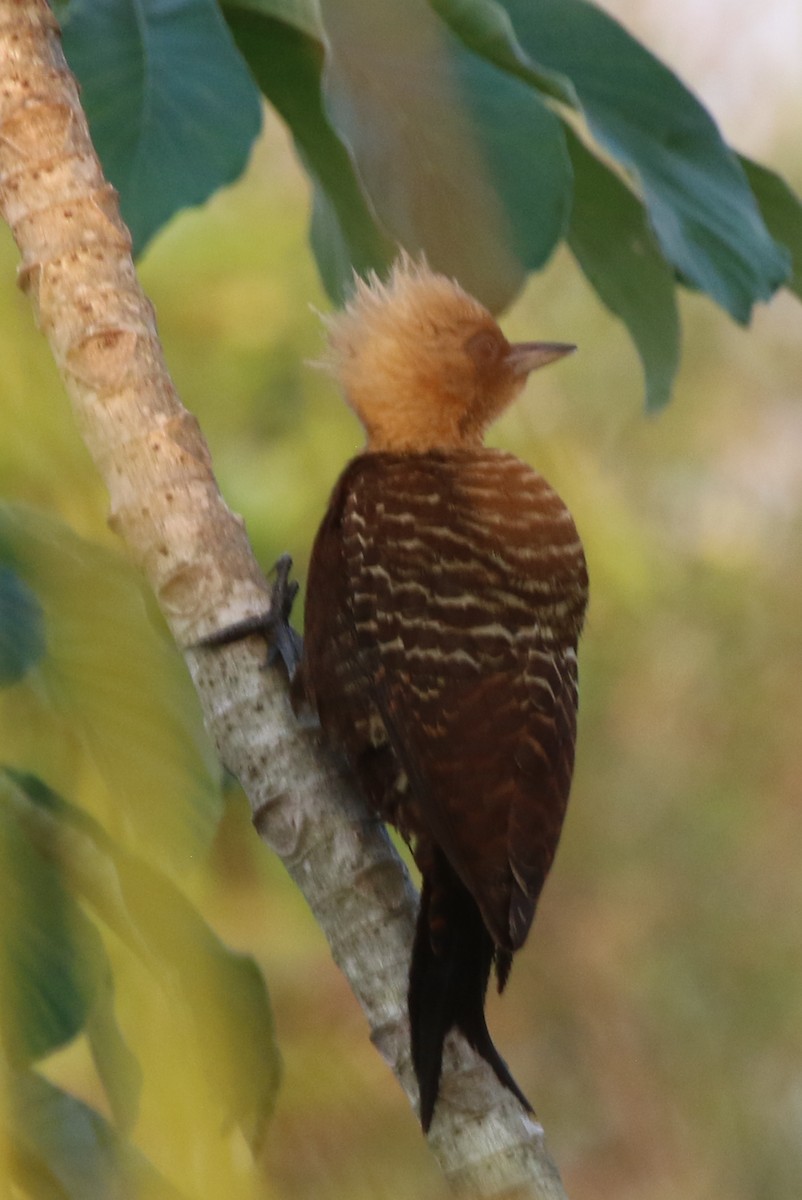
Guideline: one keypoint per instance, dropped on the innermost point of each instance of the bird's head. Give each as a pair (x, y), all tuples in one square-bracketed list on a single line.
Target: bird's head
[(423, 364)]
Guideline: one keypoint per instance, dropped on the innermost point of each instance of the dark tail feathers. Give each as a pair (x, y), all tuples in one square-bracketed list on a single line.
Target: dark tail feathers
[(451, 962)]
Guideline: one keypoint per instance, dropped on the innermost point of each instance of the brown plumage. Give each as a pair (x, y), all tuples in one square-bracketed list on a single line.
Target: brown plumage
[(446, 593)]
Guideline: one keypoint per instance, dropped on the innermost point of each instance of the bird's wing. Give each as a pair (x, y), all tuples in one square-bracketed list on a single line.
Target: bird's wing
[(454, 621)]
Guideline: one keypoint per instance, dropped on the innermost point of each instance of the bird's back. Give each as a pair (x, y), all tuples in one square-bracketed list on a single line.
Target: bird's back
[(446, 595)]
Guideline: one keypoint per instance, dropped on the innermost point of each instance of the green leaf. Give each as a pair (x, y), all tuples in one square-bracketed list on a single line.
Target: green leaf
[(60, 1148), (35, 826), (782, 212), (22, 627), (171, 106), (485, 27), (335, 258), (460, 160), (221, 993), (50, 955), (699, 202), (613, 244), (302, 14), (112, 685), (287, 64)]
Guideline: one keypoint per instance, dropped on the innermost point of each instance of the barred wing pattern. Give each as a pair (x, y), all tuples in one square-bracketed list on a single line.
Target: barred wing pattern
[(442, 655)]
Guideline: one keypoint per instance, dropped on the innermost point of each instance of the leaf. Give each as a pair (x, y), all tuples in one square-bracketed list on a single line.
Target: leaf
[(60, 1148), (172, 109), (56, 977), (461, 161), (612, 242), (699, 202), (287, 64), (50, 955), (485, 27), (782, 212), (220, 992), (22, 628), (302, 14), (117, 1067), (111, 687), (336, 259)]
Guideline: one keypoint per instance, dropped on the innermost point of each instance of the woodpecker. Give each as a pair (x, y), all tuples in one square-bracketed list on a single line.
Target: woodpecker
[(446, 593)]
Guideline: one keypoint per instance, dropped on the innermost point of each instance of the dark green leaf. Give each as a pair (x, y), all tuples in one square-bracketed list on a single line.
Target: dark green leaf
[(50, 955), (302, 14), (613, 244), (41, 820), (221, 992), (287, 64), (782, 212), (22, 627), (699, 203), (60, 1148), (485, 27), (460, 160), (171, 106)]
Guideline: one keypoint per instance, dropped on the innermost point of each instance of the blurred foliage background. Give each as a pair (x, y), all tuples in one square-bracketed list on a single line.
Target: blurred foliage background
[(654, 1017)]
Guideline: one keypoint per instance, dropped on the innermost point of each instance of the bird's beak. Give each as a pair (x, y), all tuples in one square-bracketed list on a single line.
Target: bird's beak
[(524, 357)]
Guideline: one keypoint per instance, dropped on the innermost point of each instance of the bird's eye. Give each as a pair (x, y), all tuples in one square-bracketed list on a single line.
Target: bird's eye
[(484, 347)]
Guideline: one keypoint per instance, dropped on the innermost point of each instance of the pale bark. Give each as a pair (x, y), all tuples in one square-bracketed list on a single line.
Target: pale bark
[(165, 504)]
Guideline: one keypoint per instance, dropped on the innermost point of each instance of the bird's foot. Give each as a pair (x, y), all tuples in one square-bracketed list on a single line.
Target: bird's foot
[(273, 625)]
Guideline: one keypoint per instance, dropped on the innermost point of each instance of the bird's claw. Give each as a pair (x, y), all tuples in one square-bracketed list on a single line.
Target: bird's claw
[(283, 642)]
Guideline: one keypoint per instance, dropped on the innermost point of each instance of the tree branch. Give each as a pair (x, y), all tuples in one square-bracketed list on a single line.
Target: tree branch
[(164, 502)]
